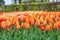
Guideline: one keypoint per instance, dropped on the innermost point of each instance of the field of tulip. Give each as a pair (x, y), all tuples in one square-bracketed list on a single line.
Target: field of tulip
[(30, 25)]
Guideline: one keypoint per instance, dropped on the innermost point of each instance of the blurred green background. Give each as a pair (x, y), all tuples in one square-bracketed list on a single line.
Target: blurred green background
[(31, 5)]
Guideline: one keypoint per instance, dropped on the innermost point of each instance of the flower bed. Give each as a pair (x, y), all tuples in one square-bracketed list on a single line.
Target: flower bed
[(31, 25)]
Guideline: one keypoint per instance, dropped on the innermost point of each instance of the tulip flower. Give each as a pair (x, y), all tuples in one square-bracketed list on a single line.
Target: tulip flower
[(37, 23), (55, 26), (7, 23), (41, 27), (32, 21), (59, 23), (27, 26), (17, 26), (47, 28), (22, 25), (3, 24)]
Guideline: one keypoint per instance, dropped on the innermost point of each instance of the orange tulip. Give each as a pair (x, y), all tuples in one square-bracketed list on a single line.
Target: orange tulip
[(55, 26), (37, 23), (26, 24), (44, 23), (7, 23), (23, 18), (47, 18), (12, 21), (47, 28), (56, 19), (17, 25), (32, 21), (22, 25), (3, 24), (41, 20), (28, 20), (50, 21), (51, 25)]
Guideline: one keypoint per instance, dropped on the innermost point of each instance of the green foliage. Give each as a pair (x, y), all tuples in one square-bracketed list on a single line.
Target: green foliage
[(33, 33), (33, 7)]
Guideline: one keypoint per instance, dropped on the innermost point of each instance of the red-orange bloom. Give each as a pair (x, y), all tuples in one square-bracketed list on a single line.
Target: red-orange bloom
[(59, 24), (2, 18), (19, 18), (55, 26), (42, 27)]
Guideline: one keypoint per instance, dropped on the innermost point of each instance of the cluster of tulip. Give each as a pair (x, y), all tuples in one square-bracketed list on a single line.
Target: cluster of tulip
[(43, 20)]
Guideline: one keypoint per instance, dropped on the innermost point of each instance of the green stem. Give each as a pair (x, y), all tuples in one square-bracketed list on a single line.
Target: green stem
[(47, 35), (56, 35), (42, 36)]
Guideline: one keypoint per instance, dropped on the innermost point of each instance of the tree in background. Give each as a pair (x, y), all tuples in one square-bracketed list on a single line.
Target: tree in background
[(33, 0), (41, 0), (53, 0), (19, 1), (56, 0), (15, 1), (2, 2)]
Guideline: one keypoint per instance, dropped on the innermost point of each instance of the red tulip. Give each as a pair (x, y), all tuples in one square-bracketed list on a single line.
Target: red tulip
[(42, 27), (19, 18)]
